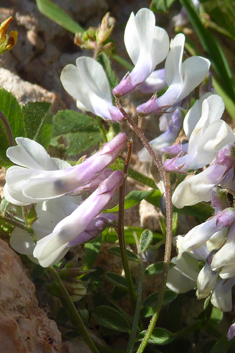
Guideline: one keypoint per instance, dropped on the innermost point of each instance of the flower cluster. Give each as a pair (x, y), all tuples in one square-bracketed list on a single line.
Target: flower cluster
[(147, 45), (64, 220)]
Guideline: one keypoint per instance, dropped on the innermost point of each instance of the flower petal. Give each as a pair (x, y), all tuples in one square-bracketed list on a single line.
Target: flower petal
[(222, 295), (198, 187), (30, 154), (147, 46), (88, 83), (194, 72)]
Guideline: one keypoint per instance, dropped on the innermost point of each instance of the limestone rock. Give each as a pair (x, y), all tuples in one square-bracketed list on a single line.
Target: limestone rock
[(24, 327), (27, 92)]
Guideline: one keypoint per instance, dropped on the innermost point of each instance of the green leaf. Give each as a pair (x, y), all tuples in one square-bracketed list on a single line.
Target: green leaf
[(13, 112), (156, 269), (145, 239), (216, 55), (216, 315), (161, 5), (92, 249), (159, 336), (174, 223), (130, 255), (76, 131), (224, 16), (222, 345), (38, 122), (141, 178), (135, 196), (56, 14), (111, 318), (229, 103), (150, 302), (201, 210), (116, 279)]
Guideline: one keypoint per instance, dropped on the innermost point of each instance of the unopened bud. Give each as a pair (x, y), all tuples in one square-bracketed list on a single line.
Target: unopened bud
[(105, 28), (7, 42)]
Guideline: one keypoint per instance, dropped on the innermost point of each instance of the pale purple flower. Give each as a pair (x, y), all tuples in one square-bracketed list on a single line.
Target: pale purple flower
[(38, 178), (198, 187), (147, 46), (200, 234), (54, 246), (225, 256), (206, 279), (181, 78), (183, 276), (88, 84), (94, 228), (231, 332), (154, 83), (206, 132), (222, 294), (49, 214)]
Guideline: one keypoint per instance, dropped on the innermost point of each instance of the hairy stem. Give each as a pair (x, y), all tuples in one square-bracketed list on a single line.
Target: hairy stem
[(167, 258), (121, 235), (138, 302)]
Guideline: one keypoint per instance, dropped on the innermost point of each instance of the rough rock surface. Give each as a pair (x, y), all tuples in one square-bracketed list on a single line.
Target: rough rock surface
[(24, 327), (27, 92)]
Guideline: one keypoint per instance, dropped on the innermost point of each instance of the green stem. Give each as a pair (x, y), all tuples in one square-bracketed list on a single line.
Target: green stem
[(17, 224), (71, 309), (131, 342), (121, 235), (102, 129), (167, 257)]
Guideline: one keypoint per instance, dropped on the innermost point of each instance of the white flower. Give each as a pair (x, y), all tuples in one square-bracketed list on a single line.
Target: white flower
[(33, 160), (206, 279), (51, 248), (183, 276), (147, 46), (49, 214), (206, 132), (198, 187), (181, 78), (88, 84), (39, 178), (222, 295)]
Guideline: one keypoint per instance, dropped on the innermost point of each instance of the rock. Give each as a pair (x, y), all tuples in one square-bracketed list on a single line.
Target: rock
[(149, 216), (24, 327), (76, 346), (26, 91)]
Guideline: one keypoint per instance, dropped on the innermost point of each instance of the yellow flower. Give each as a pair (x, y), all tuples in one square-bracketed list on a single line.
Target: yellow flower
[(7, 41)]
